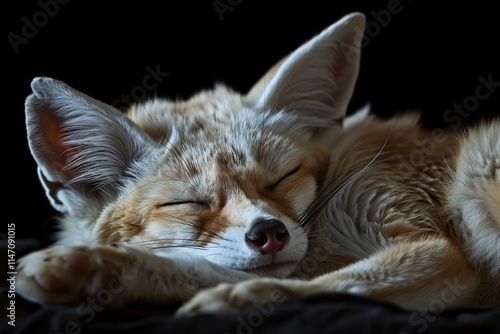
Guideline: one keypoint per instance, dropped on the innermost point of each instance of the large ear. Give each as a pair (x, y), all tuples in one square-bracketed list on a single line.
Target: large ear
[(83, 147), (319, 77)]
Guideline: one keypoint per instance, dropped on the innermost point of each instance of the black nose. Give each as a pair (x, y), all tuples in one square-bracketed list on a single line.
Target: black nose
[(267, 236)]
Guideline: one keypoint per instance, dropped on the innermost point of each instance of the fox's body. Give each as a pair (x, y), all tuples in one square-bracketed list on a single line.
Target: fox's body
[(273, 188)]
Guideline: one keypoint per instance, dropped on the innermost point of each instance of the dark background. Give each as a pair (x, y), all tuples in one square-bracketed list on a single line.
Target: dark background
[(428, 56)]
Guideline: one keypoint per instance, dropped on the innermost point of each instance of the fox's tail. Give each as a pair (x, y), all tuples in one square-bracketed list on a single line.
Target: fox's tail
[(475, 195)]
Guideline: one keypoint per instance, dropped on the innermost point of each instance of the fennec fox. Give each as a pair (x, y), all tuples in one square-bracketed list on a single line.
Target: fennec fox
[(227, 200)]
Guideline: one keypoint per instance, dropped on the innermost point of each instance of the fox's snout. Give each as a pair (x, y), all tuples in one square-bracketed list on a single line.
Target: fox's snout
[(267, 236)]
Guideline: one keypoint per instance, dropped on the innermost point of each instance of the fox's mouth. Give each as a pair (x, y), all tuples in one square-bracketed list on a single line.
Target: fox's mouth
[(278, 269)]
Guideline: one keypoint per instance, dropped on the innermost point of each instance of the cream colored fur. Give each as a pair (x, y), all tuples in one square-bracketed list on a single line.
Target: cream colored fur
[(227, 200)]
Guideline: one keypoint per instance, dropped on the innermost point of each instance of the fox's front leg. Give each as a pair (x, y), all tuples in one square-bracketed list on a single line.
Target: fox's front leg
[(116, 275), (410, 274)]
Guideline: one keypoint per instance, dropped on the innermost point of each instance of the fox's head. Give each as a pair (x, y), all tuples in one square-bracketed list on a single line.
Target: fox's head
[(228, 176)]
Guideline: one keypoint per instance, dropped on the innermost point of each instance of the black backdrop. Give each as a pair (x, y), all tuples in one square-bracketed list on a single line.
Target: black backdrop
[(422, 55)]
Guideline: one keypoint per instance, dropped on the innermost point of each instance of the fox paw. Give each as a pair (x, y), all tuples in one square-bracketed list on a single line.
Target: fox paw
[(255, 293), (60, 275)]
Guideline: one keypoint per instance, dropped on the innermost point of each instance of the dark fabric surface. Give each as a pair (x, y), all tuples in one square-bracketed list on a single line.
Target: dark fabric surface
[(326, 313)]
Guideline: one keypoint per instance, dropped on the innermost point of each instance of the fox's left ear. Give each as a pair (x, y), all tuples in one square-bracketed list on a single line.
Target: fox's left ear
[(318, 78), (85, 149)]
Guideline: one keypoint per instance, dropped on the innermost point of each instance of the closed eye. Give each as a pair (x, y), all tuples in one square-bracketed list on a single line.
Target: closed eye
[(184, 203), (271, 187)]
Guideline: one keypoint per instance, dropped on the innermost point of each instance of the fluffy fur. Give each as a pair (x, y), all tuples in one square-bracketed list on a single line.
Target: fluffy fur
[(272, 193)]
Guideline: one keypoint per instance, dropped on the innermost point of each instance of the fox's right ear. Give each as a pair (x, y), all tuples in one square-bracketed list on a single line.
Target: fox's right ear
[(83, 147), (317, 79)]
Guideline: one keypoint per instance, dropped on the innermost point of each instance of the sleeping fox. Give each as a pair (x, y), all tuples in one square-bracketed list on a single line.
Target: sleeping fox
[(228, 200)]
